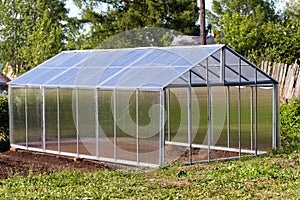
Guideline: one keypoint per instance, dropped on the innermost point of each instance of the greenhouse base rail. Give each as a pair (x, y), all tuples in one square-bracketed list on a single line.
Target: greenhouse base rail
[(202, 146)]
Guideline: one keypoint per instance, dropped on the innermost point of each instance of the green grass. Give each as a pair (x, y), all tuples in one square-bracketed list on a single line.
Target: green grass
[(273, 176)]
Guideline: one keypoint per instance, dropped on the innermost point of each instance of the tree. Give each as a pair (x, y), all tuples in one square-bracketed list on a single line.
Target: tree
[(241, 22), (31, 31), (109, 18), (202, 23)]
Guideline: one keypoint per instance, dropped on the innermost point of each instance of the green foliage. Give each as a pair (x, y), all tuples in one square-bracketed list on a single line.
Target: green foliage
[(128, 15), (4, 123), (255, 30), (290, 126), (4, 114), (31, 31)]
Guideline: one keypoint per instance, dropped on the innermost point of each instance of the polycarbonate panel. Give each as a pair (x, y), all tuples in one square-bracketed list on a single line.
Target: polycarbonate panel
[(231, 59), (89, 76), (113, 81), (149, 126), (67, 123), (47, 75), (194, 55), (69, 74), (18, 129), (232, 73), (27, 77), (159, 57), (261, 76), (87, 122), (165, 76), (57, 60), (234, 128), (179, 115), (34, 117), (126, 125), (248, 71), (139, 76), (107, 74), (246, 118), (200, 118), (51, 122), (264, 118), (76, 60), (218, 116), (130, 58), (106, 123)]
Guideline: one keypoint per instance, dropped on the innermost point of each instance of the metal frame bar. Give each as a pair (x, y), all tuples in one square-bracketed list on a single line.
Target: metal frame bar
[(26, 116), (162, 129), (228, 117), (208, 110), (115, 125), (218, 148), (239, 109), (96, 122), (222, 65), (58, 119), (275, 140), (43, 118), (137, 124), (77, 121), (251, 117), (11, 117), (169, 117), (255, 116), (190, 134)]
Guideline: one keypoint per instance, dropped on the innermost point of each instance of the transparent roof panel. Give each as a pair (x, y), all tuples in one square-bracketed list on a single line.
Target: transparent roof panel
[(152, 67)]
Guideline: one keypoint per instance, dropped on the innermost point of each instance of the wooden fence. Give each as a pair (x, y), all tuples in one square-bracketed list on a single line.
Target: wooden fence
[(288, 77)]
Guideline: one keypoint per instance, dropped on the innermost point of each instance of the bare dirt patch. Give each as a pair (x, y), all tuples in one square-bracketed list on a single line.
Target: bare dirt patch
[(24, 162)]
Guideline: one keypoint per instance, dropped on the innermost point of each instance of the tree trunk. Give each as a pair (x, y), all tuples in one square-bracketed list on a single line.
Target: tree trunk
[(202, 23)]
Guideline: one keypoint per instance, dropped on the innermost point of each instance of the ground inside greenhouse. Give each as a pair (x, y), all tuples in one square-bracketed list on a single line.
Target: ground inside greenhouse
[(23, 162)]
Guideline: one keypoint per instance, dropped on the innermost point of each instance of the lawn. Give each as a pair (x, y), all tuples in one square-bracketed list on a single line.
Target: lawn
[(274, 176)]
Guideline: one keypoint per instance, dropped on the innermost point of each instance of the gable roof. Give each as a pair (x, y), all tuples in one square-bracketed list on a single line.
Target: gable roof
[(152, 67)]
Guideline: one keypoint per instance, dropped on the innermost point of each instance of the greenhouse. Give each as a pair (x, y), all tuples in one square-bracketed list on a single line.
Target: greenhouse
[(146, 106)]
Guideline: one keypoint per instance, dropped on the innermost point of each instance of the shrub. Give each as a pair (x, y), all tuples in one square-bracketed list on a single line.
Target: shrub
[(4, 123), (290, 126)]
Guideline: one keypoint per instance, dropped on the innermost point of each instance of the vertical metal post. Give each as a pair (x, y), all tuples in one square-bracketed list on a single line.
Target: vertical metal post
[(169, 123), (251, 117), (255, 115), (115, 125), (222, 65), (26, 117), (96, 122), (77, 122), (58, 119), (208, 112), (228, 117), (275, 127), (209, 121), (190, 134), (11, 117), (43, 118), (239, 108), (162, 128), (137, 124)]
